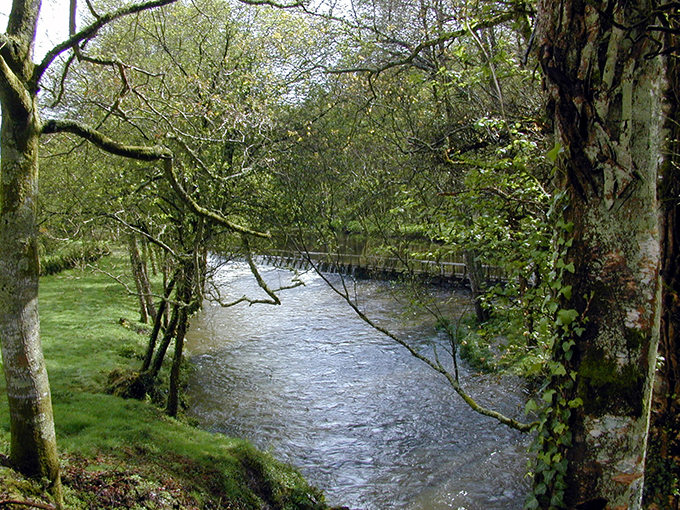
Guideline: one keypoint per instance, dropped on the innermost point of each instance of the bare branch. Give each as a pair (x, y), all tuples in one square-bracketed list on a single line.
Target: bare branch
[(435, 365), (130, 292), (274, 299), (416, 51), (202, 211), (271, 3), (144, 153), (147, 235)]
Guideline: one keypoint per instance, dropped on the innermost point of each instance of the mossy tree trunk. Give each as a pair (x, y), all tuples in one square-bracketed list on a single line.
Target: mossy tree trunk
[(662, 474), (33, 447), (33, 444), (605, 90)]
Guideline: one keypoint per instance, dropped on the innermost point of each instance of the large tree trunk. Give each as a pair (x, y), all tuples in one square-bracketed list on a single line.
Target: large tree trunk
[(663, 457), (33, 447), (606, 90)]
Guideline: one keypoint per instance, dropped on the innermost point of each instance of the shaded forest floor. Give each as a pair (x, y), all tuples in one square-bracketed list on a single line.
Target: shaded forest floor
[(118, 453)]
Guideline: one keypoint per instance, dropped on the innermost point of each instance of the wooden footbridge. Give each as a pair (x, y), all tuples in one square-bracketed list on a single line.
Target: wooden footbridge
[(376, 266)]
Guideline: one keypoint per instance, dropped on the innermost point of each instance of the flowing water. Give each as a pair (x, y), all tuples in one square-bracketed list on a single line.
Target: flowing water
[(372, 426)]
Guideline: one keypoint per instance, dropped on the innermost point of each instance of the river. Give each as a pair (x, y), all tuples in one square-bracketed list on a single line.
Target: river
[(372, 426)]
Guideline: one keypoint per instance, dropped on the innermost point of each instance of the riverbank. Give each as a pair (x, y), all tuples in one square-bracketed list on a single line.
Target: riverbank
[(118, 453)]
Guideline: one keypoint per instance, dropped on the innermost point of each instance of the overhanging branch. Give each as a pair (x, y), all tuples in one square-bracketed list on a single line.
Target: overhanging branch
[(434, 365), (144, 153), (105, 143)]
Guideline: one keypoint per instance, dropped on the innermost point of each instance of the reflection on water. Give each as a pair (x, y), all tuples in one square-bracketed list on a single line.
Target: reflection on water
[(362, 419)]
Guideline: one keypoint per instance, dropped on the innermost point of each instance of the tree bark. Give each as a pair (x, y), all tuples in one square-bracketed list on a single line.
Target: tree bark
[(605, 90), (165, 342), (173, 393), (33, 447)]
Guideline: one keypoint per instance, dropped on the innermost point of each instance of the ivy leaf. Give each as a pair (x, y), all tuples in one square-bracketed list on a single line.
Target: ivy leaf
[(531, 504), (558, 369), (566, 317), (566, 291), (577, 402), (554, 152), (530, 406)]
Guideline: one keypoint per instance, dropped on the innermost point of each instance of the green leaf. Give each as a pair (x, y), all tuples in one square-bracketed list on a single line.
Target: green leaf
[(557, 500), (558, 428), (566, 317), (530, 406), (554, 152), (558, 369), (531, 504), (577, 402), (566, 291)]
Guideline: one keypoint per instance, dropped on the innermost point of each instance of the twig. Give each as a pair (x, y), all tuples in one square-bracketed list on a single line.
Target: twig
[(436, 366)]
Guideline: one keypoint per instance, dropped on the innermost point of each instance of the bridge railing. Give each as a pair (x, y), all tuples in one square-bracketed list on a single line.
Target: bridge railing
[(376, 265)]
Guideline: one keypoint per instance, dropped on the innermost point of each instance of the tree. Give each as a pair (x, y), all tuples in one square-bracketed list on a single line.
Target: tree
[(662, 470), (33, 446), (605, 86), (205, 88)]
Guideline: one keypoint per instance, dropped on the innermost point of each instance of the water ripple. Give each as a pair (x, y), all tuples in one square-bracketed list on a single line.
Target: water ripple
[(372, 426)]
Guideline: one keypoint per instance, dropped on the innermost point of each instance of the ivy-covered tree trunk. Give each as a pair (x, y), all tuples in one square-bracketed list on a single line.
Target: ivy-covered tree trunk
[(605, 89), (33, 447)]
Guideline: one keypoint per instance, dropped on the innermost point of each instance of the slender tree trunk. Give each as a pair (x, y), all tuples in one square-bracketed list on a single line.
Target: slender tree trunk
[(475, 274), (605, 89), (173, 393), (165, 342), (158, 322), (146, 306)]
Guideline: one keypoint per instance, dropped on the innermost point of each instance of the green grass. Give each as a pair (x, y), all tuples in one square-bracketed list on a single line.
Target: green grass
[(108, 441)]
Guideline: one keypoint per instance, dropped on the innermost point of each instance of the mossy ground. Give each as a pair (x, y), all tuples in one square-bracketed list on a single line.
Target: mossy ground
[(119, 453)]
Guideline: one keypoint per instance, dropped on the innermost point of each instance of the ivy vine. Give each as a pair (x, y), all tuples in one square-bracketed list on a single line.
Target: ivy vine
[(555, 403)]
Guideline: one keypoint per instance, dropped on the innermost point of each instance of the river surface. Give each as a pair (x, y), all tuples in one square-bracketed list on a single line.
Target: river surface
[(372, 426)]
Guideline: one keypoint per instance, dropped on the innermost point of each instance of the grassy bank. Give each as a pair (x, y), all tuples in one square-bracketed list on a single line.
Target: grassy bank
[(120, 453)]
